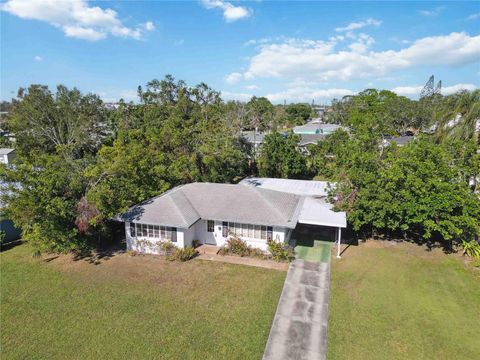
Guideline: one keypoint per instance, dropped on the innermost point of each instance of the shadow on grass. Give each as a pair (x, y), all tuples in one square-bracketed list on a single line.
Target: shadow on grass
[(97, 256), (10, 245)]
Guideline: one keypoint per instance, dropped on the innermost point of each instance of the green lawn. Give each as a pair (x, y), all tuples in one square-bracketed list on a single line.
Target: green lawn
[(134, 308), (401, 302)]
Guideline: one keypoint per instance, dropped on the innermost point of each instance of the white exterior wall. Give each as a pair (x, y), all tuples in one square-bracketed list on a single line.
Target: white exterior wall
[(216, 238), (198, 231), (147, 245)]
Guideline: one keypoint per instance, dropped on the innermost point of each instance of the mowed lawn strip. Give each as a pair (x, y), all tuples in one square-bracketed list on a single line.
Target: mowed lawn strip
[(134, 307), (401, 302)]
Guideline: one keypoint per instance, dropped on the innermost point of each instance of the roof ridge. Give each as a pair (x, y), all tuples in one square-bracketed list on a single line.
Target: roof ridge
[(255, 188), (182, 215)]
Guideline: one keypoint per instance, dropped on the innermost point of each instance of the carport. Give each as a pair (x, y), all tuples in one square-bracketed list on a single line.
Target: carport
[(315, 210), (318, 212)]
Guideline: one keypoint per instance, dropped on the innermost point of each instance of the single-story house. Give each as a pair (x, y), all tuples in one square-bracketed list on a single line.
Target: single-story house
[(256, 210)]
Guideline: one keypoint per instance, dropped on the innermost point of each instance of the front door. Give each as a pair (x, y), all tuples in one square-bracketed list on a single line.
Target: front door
[(210, 237)]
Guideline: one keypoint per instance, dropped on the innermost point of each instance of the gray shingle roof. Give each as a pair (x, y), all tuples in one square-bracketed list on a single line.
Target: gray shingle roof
[(185, 205), (311, 139)]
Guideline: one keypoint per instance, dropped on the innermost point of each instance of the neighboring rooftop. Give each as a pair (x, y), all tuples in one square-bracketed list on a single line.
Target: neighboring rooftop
[(254, 137), (399, 140), (6, 151), (308, 139), (314, 127)]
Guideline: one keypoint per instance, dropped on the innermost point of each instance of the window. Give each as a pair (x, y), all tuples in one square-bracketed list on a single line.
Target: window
[(173, 232), (132, 229), (156, 231), (263, 233), (225, 229), (144, 230), (210, 225), (257, 232), (269, 233), (163, 233), (150, 230), (251, 231)]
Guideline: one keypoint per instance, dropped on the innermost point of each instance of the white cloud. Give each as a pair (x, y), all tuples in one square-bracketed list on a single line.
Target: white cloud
[(227, 95), (447, 90), (76, 18), (306, 94), (251, 87), (149, 26), (233, 78), (358, 25), (38, 58), (230, 12), (433, 12), (474, 16), (319, 60)]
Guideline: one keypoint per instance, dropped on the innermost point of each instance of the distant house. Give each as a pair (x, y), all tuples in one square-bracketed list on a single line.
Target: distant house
[(399, 140), (256, 210), (316, 127), (255, 138), (309, 139), (6, 155)]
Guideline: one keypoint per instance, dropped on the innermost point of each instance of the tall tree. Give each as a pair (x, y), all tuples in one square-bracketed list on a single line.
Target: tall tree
[(280, 158)]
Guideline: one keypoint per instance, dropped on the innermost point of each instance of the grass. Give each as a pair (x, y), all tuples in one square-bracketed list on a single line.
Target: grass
[(402, 302), (133, 308)]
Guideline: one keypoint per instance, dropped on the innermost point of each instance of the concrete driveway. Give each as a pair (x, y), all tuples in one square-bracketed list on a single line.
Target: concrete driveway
[(299, 329)]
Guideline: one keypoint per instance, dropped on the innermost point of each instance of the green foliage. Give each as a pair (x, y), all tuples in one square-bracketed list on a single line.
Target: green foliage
[(184, 254), (471, 248), (298, 114), (260, 113), (281, 252), (237, 246), (417, 189), (458, 117), (280, 158), (66, 122), (382, 112)]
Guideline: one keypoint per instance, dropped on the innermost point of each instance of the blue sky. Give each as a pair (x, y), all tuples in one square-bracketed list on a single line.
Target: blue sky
[(293, 51)]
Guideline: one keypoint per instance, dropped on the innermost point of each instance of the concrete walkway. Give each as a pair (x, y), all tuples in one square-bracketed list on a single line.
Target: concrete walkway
[(299, 329)]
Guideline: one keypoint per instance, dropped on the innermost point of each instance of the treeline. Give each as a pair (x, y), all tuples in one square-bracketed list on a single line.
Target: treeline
[(81, 162)]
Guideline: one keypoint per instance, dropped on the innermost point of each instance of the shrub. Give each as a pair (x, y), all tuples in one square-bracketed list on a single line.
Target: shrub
[(237, 246), (223, 251), (471, 248), (167, 246), (280, 251), (195, 243), (182, 254), (257, 253)]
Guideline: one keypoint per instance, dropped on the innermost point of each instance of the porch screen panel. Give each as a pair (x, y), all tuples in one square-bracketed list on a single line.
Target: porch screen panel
[(257, 232), (264, 233), (174, 234), (251, 231), (269, 233), (225, 229)]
